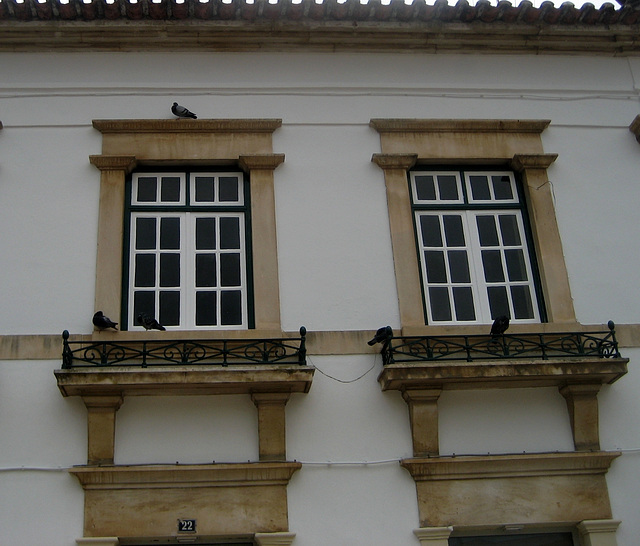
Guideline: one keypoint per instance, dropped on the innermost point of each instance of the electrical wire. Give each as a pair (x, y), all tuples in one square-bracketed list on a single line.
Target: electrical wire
[(346, 381)]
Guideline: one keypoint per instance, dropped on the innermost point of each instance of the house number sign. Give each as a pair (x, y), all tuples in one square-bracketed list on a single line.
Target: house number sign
[(186, 526)]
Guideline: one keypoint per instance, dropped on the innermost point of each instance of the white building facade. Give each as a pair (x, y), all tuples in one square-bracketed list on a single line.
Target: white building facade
[(350, 167)]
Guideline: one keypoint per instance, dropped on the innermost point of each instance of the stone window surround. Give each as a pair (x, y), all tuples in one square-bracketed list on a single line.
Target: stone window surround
[(513, 143), (245, 143)]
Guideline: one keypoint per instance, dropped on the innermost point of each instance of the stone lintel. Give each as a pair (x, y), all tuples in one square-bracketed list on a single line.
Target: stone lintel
[(401, 125), (186, 125)]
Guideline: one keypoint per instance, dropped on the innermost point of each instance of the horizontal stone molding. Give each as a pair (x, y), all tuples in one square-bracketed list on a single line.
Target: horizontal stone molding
[(186, 125), (400, 125)]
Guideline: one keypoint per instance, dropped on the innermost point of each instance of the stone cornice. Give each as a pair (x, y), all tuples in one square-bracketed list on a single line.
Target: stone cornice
[(458, 125), (394, 161), (267, 162), (113, 162), (187, 125), (521, 162)]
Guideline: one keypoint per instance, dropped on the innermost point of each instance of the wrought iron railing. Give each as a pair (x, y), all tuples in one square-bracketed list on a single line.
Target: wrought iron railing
[(469, 348), (145, 353)]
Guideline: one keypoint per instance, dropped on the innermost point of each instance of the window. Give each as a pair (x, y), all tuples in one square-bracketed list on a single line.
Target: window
[(473, 246), (188, 245), (551, 539)]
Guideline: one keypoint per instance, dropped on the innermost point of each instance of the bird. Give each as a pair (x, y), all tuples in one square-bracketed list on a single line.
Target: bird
[(382, 334), (500, 325), (182, 112), (102, 323), (149, 323)]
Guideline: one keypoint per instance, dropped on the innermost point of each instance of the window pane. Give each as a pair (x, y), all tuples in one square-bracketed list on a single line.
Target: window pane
[(169, 308), (170, 189), (206, 308), (230, 270), (436, 271), (147, 189), (170, 270), (492, 264), (144, 302), (516, 268), (487, 230), (498, 302), (231, 307), (479, 188), (458, 266), (502, 187), (229, 232), (206, 270), (204, 189), (145, 270), (448, 187), (522, 304), (546, 539), (229, 189), (170, 233), (509, 230), (439, 303), (453, 230), (430, 227), (463, 303), (205, 233), (425, 188), (145, 233)]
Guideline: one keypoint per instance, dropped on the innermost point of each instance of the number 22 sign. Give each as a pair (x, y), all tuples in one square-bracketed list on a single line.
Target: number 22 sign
[(186, 526)]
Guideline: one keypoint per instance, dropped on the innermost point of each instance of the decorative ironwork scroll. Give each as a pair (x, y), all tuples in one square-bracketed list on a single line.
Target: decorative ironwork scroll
[(223, 352), (505, 346)]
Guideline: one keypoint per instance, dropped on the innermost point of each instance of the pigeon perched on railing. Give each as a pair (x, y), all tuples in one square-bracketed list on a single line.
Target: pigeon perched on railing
[(102, 323), (149, 323), (182, 112), (500, 325), (382, 334)]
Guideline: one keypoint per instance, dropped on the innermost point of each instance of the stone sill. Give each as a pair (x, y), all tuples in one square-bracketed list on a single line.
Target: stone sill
[(458, 375), (184, 380)]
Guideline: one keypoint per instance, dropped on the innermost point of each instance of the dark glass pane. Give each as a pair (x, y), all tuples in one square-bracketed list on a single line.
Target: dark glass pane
[(439, 303), (144, 302), (430, 227), (516, 268), (147, 189), (436, 271), (169, 308), (487, 230), (145, 270), (206, 270), (170, 233), (228, 189), (206, 309), (229, 232), (169, 269), (448, 187), (458, 266), (205, 233), (145, 233), (204, 189), (522, 305), (425, 188), (502, 187), (453, 230), (229, 269), (546, 539), (231, 307), (509, 230), (492, 264), (498, 302), (170, 189), (463, 303), (479, 187)]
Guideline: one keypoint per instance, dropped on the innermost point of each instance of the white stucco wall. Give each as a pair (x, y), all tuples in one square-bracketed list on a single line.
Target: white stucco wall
[(335, 266)]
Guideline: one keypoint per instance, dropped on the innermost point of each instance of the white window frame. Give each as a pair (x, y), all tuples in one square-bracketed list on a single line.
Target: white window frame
[(468, 209), (188, 212)]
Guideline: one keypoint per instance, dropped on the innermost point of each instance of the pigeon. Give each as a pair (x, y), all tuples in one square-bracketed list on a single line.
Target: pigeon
[(149, 323), (102, 323), (500, 325), (382, 334), (182, 112)]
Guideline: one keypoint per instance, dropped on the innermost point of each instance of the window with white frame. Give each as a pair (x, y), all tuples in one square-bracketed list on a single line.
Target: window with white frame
[(473, 245), (188, 248)]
